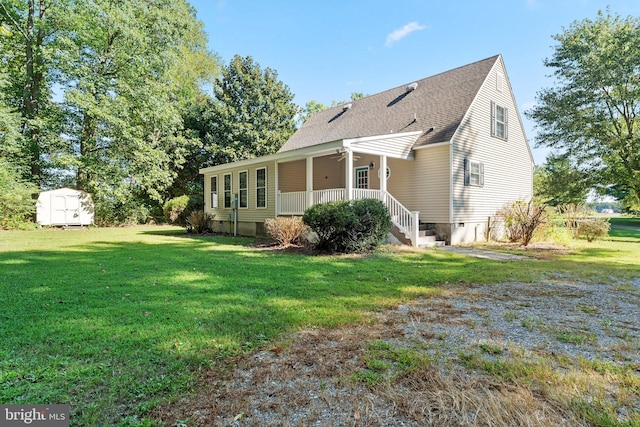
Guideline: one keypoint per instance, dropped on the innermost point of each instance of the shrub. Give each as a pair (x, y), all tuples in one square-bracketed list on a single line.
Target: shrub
[(110, 211), (199, 222), (286, 230), (522, 219), (573, 214), (348, 226), (16, 198), (593, 228), (174, 209)]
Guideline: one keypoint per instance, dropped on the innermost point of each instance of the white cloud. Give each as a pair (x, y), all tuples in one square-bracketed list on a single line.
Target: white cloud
[(401, 33), (533, 4)]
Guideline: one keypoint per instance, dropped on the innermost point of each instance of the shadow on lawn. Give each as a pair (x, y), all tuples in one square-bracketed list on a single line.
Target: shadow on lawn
[(115, 327)]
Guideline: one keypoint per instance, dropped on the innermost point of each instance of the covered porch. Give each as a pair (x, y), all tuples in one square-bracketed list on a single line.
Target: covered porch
[(352, 169)]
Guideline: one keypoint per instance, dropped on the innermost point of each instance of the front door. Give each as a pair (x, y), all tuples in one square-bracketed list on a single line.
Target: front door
[(362, 177)]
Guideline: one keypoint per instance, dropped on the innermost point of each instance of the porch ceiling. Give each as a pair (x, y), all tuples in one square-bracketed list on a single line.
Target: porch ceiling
[(397, 145)]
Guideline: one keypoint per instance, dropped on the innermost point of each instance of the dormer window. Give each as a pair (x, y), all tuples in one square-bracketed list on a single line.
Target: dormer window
[(499, 121)]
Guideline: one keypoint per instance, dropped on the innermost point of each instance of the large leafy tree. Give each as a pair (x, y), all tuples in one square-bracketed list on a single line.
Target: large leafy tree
[(559, 182), (16, 201), (129, 75), (592, 111), (125, 72), (253, 114), (9, 120), (28, 53)]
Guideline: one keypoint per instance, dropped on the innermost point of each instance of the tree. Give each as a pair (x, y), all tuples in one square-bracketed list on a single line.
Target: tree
[(127, 84), (310, 109), (10, 138), (314, 106), (592, 111), (16, 197), (354, 97), (28, 54), (559, 182), (253, 115)]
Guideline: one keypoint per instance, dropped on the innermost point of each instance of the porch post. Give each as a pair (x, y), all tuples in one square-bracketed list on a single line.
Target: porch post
[(309, 181), (383, 175), (415, 231), (277, 190), (348, 177)]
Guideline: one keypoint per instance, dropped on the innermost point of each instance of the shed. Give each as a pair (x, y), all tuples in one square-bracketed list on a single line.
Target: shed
[(64, 206)]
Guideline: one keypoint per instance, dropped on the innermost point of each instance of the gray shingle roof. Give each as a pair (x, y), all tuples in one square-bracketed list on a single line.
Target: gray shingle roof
[(439, 101)]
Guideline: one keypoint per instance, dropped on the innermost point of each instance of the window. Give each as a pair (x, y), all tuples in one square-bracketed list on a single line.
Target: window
[(362, 177), (214, 192), (473, 173), (261, 188), (243, 187), (499, 119), (227, 190)]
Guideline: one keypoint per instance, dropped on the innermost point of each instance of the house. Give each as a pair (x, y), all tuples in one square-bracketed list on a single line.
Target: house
[(443, 153), (64, 207)]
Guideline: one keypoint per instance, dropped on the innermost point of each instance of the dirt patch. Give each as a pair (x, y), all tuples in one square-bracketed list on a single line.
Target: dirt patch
[(318, 377)]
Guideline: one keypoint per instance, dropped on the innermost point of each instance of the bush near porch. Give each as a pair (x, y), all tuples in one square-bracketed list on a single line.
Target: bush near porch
[(349, 226)]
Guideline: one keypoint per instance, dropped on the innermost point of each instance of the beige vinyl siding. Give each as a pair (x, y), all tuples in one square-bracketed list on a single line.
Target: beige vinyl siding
[(366, 160), (328, 172), (423, 184), (252, 213), (292, 176), (507, 164)]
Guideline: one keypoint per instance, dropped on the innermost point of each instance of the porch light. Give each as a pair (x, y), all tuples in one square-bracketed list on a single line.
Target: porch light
[(372, 165)]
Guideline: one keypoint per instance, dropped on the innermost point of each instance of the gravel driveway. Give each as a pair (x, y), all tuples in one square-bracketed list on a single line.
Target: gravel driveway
[(309, 380)]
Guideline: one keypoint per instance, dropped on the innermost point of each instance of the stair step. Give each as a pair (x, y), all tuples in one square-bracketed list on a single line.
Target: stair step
[(436, 243)]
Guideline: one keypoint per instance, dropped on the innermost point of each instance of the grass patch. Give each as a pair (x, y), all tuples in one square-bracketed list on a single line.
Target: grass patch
[(577, 338), (598, 393), (627, 221), (385, 363), (491, 349), (116, 321)]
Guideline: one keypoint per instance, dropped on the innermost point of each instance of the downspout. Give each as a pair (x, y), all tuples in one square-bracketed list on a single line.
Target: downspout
[(235, 214)]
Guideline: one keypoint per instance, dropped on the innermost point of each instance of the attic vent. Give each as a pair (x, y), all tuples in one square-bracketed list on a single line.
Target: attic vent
[(346, 107), (411, 87)]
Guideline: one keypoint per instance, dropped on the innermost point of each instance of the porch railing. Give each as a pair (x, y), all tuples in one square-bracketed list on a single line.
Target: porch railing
[(363, 193), (295, 203), (326, 196)]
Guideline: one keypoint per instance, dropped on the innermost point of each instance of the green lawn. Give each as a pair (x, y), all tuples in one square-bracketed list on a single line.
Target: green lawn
[(114, 321), (627, 221)]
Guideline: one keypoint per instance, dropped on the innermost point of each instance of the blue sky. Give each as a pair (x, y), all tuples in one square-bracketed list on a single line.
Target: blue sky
[(325, 50)]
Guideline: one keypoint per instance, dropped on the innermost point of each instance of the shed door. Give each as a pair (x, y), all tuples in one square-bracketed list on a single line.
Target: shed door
[(65, 209)]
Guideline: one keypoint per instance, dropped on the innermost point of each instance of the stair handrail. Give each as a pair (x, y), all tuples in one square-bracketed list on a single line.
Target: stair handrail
[(401, 217)]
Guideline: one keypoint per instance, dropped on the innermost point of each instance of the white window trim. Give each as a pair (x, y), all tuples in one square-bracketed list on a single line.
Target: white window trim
[(355, 175), (494, 121), (213, 193), (245, 188), (224, 191), (266, 202)]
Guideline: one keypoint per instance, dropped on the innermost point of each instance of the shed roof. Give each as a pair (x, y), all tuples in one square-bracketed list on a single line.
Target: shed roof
[(436, 107)]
